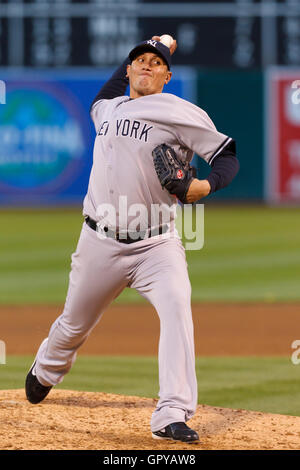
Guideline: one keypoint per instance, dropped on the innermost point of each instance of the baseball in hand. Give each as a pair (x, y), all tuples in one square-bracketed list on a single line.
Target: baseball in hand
[(166, 40)]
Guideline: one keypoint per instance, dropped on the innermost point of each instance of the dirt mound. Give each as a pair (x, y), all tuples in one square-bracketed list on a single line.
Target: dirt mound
[(85, 420)]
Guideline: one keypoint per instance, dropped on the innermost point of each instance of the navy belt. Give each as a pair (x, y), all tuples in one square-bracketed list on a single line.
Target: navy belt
[(128, 237)]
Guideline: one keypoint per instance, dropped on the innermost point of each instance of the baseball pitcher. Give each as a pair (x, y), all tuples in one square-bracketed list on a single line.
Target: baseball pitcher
[(143, 147)]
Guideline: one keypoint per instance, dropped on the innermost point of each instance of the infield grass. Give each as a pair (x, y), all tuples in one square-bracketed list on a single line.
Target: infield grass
[(267, 384), (249, 254)]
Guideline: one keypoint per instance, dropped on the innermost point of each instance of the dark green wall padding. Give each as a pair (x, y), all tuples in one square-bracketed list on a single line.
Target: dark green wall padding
[(234, 100)]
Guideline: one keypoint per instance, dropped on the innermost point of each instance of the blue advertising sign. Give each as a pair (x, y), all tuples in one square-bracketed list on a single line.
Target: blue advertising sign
[(47, 135)]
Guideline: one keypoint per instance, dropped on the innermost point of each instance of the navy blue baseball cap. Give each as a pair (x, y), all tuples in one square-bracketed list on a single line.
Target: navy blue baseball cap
[(152, 46)]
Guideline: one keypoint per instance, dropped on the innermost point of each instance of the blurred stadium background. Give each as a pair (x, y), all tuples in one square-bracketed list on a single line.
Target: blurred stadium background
[(239, 60)]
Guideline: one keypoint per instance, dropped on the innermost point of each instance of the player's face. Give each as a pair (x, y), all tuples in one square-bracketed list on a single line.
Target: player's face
[(147, 75)]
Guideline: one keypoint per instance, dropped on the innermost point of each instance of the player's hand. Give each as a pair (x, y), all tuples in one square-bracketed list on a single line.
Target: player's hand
[(172, 48), (197, 190)]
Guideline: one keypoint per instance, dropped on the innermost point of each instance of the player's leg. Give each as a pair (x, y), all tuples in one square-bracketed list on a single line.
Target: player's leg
[(163, 279), (96, 278)]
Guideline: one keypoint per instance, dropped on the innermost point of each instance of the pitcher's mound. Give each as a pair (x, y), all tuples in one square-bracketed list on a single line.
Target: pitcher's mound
[(85, 420)]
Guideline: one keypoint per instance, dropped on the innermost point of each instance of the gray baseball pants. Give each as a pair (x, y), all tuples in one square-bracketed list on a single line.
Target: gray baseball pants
[(100, 270)]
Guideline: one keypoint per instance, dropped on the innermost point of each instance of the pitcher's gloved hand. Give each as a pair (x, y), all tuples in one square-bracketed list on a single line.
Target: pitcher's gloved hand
[(172, 173)]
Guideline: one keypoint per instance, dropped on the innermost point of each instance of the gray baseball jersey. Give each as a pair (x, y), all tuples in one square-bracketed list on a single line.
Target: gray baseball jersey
[(127, 132)]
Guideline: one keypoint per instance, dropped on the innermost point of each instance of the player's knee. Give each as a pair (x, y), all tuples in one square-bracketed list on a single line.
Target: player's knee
[(179, 306), (178, 293), (72, 333)]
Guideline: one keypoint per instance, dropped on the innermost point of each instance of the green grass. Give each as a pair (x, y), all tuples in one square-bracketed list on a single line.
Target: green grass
[(268, 384), (249, 254)]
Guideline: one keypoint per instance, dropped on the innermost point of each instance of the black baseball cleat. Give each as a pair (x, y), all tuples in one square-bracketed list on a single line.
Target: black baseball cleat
[(177, 432), (35, 391)]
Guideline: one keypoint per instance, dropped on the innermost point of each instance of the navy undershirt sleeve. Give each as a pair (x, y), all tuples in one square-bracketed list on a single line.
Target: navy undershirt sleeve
[(224, 168), (115, 86)]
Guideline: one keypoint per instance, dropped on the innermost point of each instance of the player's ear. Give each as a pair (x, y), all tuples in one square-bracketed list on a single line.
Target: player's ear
[(127, 70), (168, 77)]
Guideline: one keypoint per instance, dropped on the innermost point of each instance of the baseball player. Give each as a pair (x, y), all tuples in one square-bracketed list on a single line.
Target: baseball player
[(143, 145)]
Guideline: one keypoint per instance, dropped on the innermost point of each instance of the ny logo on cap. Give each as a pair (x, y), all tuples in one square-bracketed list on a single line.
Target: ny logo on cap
[(152, 42)]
